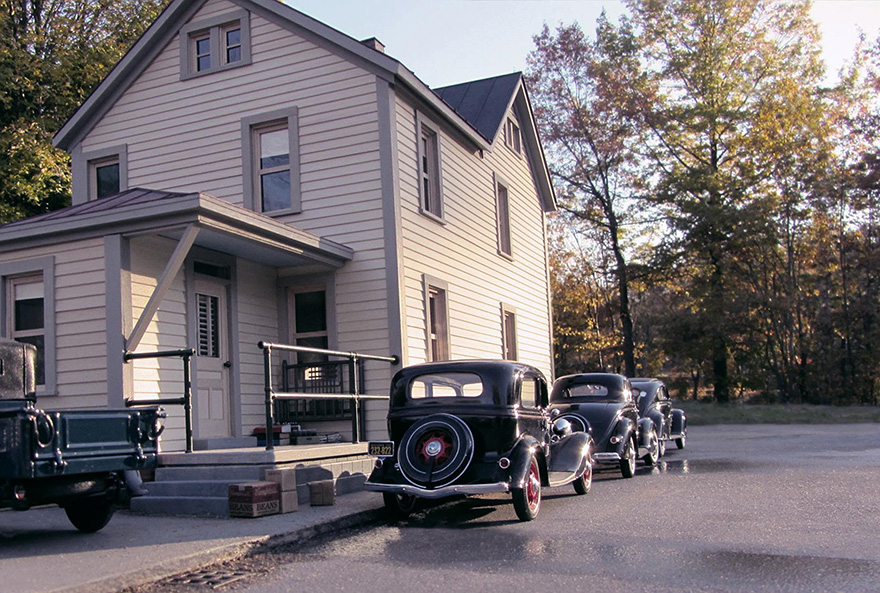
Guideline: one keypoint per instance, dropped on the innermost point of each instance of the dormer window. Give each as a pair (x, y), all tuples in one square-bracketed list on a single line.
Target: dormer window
[(512, 137), (215, 44)]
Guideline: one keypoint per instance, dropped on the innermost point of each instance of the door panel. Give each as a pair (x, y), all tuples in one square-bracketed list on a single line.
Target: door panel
[(212, 405)]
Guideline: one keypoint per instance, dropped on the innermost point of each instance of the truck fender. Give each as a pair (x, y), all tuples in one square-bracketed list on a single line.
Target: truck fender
[(519, 461), (568, 453), (679, 423)]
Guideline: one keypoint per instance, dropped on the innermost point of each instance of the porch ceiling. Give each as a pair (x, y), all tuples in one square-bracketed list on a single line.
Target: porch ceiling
[(223, 227)]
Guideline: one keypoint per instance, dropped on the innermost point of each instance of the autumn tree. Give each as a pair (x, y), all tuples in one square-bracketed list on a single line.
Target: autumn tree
[(590, 96), (52, 55)]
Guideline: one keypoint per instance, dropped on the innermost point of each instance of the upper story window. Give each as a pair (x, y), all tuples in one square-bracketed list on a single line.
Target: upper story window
[(502, 213), (437, 319), (430, 193), (270, 149), (214, 44), (105, 177), (512, 137), (508, 333)]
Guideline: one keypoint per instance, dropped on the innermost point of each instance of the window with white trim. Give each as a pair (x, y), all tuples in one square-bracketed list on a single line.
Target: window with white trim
[(270, 153), (215, 44), (512, 137), (508, 333), (502, 213), (104, 177), (26, 320), (430, 193), (437, 319)]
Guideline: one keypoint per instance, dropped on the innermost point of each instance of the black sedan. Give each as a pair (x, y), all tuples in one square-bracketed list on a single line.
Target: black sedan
[(603, 404), (654, 403)]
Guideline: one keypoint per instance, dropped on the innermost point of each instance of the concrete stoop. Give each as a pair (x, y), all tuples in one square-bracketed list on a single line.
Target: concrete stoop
[(198, 483)]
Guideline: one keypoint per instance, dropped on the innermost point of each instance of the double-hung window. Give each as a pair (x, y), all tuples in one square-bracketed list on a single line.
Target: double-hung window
[(508, 333), (512, 137), (437, 318), (430, 193), (270, 150), (215, 44), (502, 214)]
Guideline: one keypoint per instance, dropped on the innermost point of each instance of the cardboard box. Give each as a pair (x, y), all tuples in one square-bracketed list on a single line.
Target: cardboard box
[(289, 502), (322, 493), (285, 477), (254, 499)]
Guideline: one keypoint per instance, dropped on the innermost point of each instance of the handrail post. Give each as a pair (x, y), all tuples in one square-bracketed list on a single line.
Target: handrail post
[(187, 400), (355, 404), (267, 378)]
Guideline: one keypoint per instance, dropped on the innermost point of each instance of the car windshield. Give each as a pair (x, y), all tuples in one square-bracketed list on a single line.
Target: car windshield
[(443, 385)]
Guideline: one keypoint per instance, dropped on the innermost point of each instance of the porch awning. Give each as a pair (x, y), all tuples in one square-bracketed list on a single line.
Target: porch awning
[(223, 227)]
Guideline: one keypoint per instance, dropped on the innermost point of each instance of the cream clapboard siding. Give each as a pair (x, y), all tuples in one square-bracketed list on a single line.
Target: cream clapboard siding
[(162, 377), (186, 136), (80, 327), (463, 252), (258, 320)]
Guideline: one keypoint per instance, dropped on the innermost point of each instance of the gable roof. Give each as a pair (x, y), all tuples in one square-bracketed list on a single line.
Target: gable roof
[(452, 103), (483, 103)]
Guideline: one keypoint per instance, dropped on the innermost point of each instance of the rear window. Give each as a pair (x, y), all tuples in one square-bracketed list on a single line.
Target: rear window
[(588, 390), (446, 385)]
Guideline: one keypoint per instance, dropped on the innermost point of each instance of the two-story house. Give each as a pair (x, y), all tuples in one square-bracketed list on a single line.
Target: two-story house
[(248, 173)]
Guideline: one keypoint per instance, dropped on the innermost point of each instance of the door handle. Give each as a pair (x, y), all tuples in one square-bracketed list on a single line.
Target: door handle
[(227, 364)]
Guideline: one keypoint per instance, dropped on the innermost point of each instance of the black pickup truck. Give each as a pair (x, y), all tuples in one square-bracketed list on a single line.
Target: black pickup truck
[(77, 459)]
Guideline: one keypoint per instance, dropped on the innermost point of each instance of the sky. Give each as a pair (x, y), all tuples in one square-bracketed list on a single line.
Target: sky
[(450, 41)]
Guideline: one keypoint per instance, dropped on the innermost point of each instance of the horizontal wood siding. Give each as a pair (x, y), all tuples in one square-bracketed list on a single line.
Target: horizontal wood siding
[(258, 321), (463, 252), (160, 377), (80, 327)]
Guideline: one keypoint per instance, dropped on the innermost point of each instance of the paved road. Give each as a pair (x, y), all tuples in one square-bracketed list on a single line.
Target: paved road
[(756, 508)]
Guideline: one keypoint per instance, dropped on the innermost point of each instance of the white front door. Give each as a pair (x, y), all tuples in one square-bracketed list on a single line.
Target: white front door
[(212, 405)]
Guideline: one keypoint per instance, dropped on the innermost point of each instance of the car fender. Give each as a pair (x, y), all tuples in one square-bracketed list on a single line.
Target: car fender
[(679, 423), (624, 431), (567, 454), (659, 421), (646, 426), (519, 460)]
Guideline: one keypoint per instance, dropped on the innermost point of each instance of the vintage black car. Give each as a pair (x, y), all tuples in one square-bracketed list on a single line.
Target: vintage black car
[(475, 427), (603, 404), (654, 403)]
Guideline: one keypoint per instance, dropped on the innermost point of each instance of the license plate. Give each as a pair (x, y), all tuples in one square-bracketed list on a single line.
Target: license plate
[(380, 448)]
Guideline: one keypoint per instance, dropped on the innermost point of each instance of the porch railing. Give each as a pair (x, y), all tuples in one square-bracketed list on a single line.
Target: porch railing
[(355, 380), (185, 401)]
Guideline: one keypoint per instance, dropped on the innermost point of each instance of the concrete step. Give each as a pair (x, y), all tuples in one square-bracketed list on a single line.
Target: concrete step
[(231, 473), (190, 488), (217, 506)]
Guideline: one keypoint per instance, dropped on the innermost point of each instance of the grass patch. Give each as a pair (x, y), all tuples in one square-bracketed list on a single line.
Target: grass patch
[(702, 413)]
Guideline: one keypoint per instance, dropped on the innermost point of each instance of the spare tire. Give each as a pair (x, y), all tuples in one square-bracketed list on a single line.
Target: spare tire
[(436, 451)]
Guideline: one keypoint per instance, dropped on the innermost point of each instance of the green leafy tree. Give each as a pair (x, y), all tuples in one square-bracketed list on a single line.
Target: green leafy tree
[(52, 55)]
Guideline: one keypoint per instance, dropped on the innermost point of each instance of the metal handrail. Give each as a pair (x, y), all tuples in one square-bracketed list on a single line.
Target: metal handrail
[(354, 382), (185, 401)]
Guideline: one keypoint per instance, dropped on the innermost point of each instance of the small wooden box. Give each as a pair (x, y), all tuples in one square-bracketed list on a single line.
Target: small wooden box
[(322, 493), (285, 477), (254, 499)]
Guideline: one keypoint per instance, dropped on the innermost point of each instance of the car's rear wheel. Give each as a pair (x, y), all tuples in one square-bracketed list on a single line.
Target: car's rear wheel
[(628, 462), (662, 447), (399, 505), (90, 515), (653, 453), (436, 450), (583, 484), (527, 500)]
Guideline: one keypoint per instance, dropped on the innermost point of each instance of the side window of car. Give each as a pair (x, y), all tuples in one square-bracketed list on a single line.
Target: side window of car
[(529, 393)]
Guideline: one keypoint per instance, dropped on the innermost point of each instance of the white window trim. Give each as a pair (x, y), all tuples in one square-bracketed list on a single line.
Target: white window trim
[(421, 124), (83, 170), (250, 196), (329, 310), (505, 311), (501, 182), (215, 28), (46, 267), (429, 283), (513, 141)]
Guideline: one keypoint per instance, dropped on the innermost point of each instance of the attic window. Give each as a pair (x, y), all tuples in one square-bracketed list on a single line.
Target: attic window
[(215, 44), (512, 137)]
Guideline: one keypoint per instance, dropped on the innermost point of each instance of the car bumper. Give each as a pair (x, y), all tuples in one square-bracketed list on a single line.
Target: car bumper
[(606, 458), (453, 490)]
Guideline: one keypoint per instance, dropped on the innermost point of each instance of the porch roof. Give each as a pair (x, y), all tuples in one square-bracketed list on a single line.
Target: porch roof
[(223, 227)]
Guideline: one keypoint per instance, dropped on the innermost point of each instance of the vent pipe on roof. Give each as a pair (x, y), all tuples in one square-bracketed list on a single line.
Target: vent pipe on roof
[(374, 43)]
